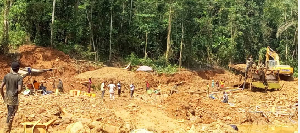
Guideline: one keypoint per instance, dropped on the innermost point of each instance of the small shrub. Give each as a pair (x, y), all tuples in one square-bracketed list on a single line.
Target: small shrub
[(77, 51), (17, 38), (159, 65), (146, 62), (169, 69), (295, 75), (133, 59)]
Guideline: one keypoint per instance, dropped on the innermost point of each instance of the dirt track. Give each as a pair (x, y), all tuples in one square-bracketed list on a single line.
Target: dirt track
[(178, 112)]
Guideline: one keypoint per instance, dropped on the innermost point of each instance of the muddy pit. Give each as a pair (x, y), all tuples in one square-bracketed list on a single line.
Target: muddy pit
[(181, 112)]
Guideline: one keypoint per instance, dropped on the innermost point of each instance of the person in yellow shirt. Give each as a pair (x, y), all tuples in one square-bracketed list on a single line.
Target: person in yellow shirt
[(222, 84)]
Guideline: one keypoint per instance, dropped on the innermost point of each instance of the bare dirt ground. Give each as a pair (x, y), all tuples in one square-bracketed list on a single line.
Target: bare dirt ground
[(190, 110)]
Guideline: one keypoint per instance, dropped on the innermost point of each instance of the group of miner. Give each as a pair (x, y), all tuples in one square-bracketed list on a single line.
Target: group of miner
[(13, 82)]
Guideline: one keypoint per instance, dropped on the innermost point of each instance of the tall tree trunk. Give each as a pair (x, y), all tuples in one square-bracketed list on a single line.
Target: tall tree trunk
[(76, 7), (181, 43), (286, 51), (169, 36), (91, 32), (130, 12), (52, 23), (74, 35), (232, 34), (294, 42), (123, 11), (5, 39), (110, 34), (295, 36), (146, 45)]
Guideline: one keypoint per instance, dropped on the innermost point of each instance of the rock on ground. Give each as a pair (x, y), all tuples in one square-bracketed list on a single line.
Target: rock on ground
[(77, 127)]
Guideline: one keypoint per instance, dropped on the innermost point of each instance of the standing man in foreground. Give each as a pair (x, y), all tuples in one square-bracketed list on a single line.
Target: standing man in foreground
[(13, 82)]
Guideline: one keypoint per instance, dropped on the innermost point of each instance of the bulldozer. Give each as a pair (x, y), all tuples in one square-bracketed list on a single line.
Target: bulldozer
[(274, 64)]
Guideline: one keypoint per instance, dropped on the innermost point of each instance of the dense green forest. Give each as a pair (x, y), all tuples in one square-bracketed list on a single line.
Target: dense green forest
[(193, 32)]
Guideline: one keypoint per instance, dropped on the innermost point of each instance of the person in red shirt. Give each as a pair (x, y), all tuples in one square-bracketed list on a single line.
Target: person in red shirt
[(147, 86), (88, 84)]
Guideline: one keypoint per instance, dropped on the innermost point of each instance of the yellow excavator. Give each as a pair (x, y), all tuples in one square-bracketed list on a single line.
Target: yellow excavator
[(265, 76), (274, 65)]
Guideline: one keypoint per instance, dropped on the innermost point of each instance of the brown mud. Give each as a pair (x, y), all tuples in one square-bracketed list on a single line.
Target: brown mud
[(188, 110)]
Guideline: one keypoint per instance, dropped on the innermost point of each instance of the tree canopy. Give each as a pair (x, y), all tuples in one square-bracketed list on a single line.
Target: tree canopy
[(210, 31)]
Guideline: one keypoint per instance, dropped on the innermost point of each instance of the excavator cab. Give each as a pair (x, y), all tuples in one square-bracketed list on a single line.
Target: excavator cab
[(271, 64)]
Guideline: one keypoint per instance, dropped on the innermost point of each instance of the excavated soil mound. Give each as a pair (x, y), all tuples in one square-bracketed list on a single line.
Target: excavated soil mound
[(196, 109), (185, 79), (106, 72), (239, 67), (138, 78), (41, 57), (201, 110), (4, 65), (64, 67)]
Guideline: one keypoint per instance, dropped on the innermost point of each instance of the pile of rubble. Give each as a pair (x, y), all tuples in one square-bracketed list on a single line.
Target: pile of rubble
[(64, 109), (201, 110)]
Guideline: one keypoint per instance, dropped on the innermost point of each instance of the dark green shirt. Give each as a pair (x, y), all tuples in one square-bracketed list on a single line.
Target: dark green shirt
[(12, 80)]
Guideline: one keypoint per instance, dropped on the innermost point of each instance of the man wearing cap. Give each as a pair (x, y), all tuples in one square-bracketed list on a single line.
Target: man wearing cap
[(13, 82)]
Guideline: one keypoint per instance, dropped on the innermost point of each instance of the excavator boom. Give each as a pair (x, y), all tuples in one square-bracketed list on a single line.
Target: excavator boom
[(273, 54)]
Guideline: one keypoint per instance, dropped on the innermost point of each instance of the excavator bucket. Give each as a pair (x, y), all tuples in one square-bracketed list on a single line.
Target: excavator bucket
[(272, 85)]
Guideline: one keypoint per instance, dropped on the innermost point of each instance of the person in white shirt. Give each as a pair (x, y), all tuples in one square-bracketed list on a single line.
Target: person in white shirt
[(119, 88), (102, 88), (131, 90), (112, 87)]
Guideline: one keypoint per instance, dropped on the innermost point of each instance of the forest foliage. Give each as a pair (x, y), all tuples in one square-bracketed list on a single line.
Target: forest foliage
[(214, 32)]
